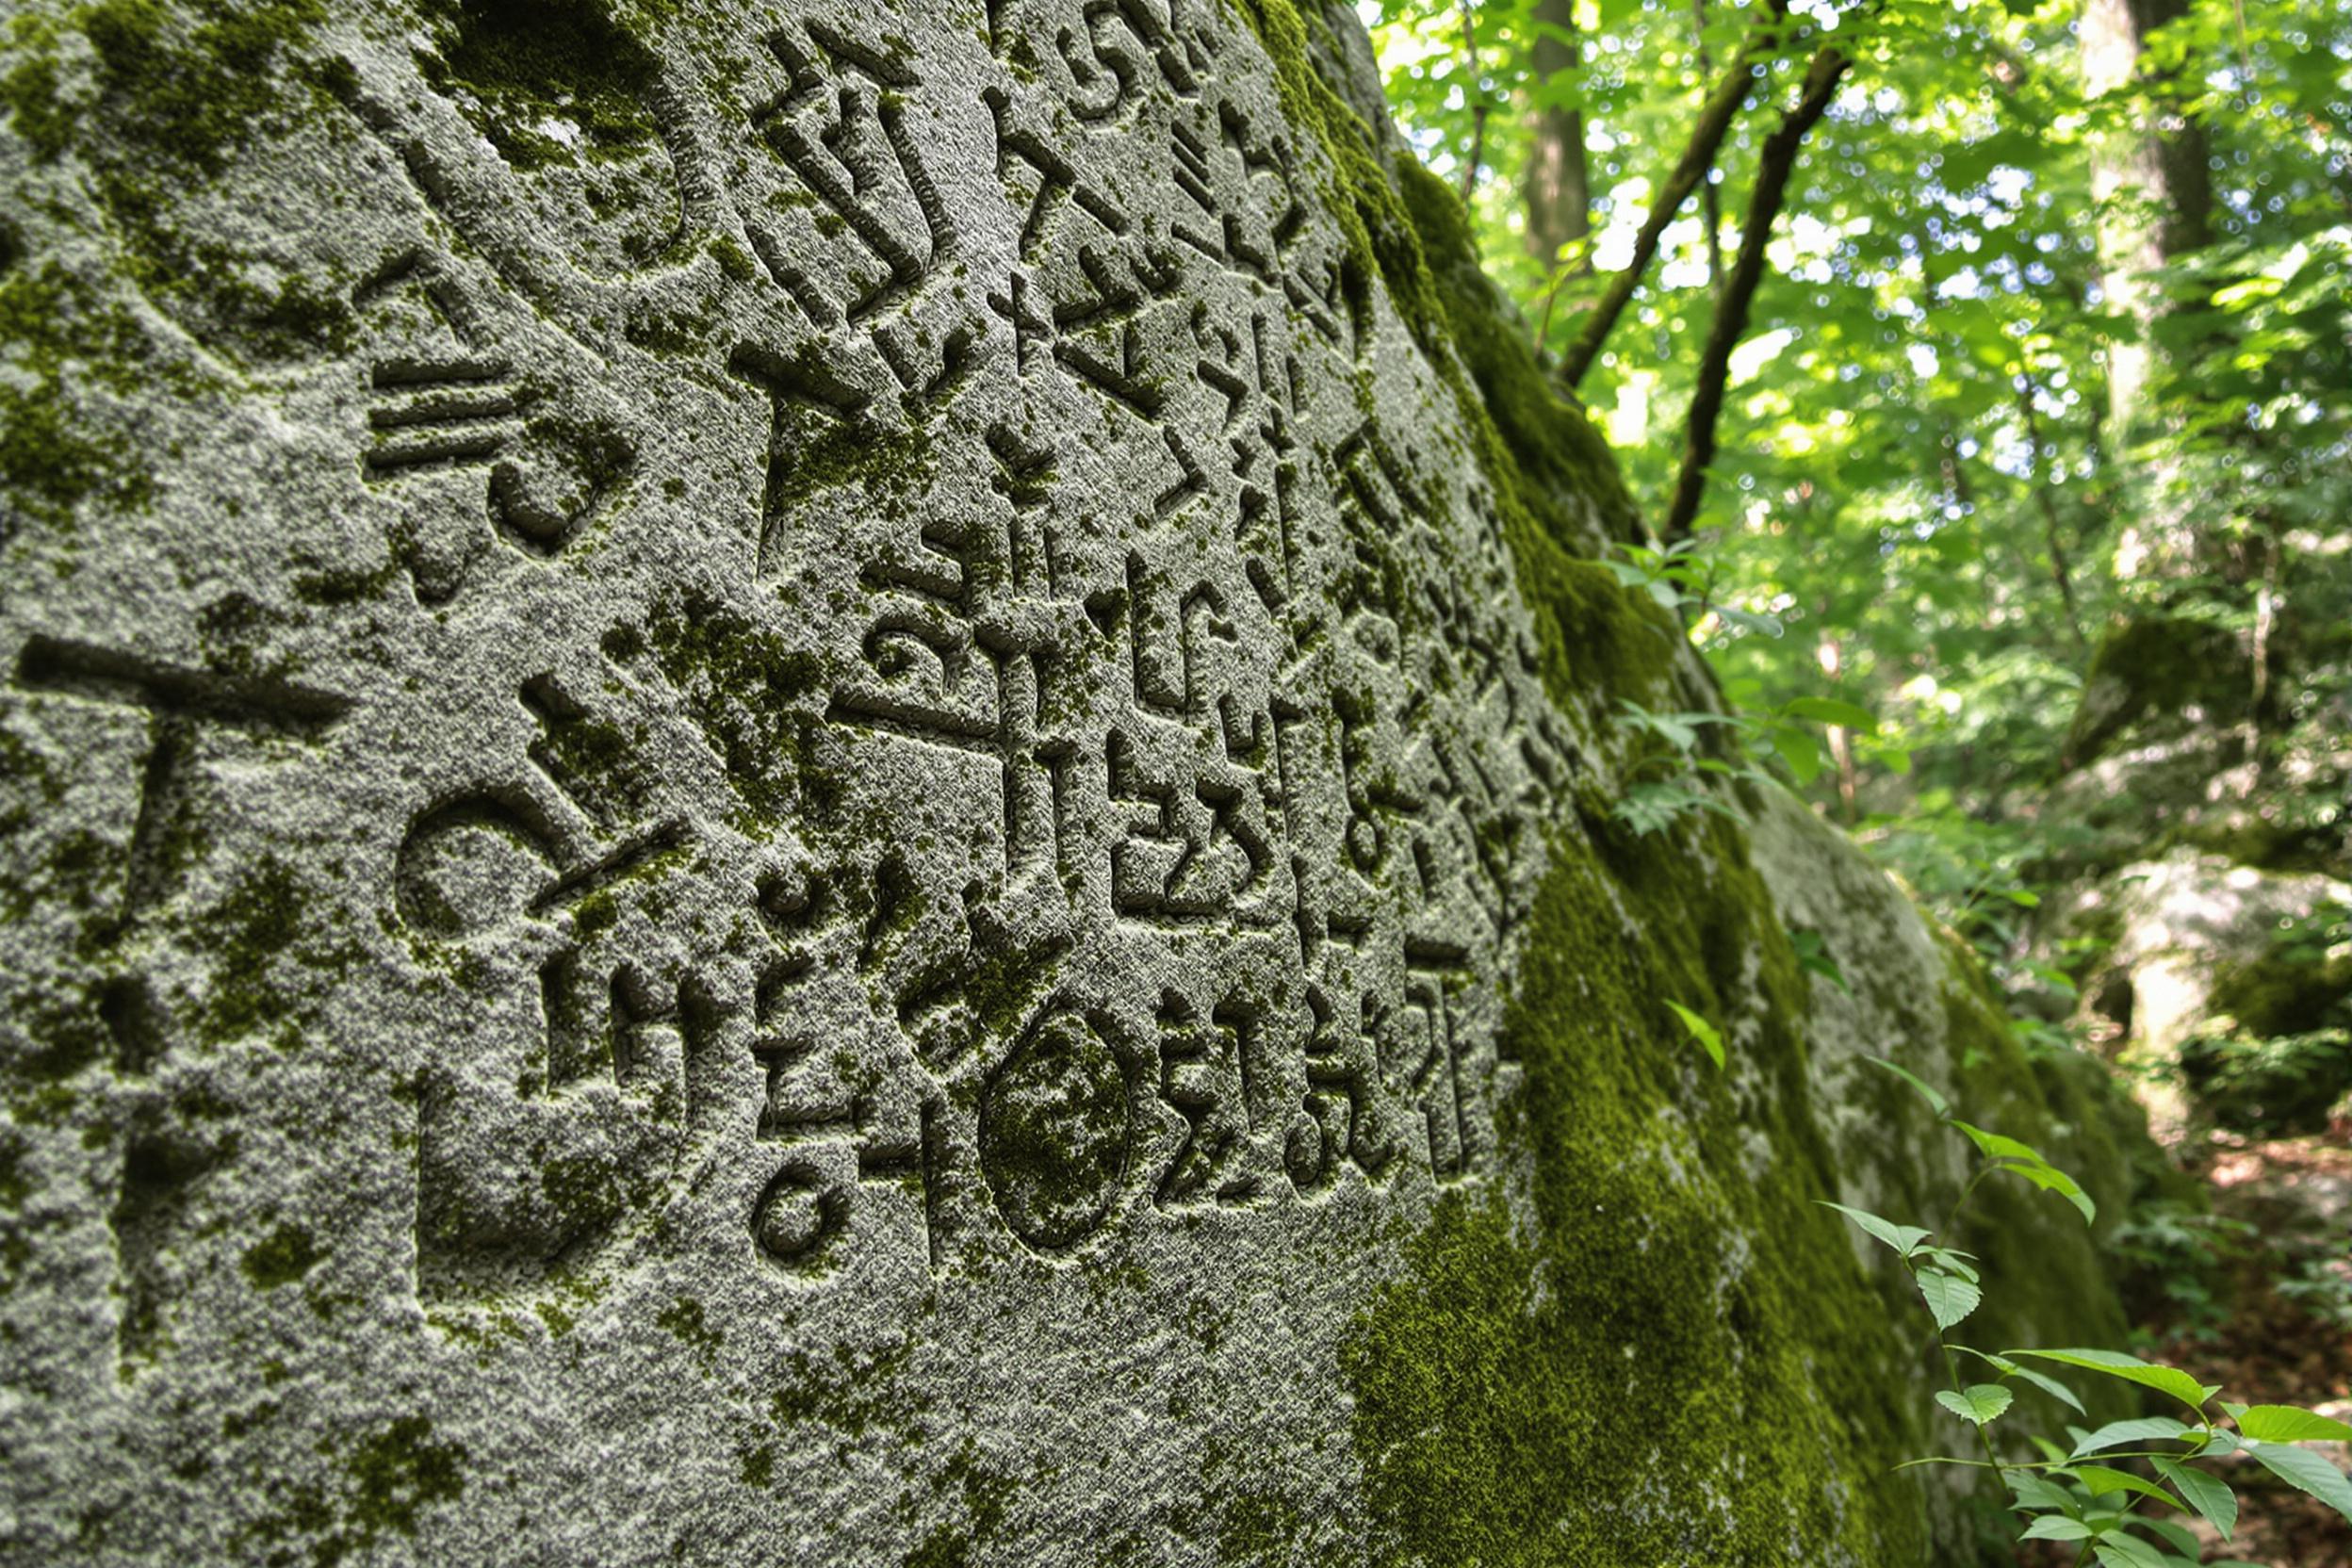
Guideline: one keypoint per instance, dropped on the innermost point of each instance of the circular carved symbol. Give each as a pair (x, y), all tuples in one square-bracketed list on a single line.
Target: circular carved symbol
[(1057, 1130), (471, 864), (797, 1215)]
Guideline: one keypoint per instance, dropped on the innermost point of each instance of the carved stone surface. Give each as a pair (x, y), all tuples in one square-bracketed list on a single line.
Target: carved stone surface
[(798, 847)]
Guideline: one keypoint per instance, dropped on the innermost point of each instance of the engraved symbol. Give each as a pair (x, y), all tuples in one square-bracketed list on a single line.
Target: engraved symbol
[(457, 411), (840, 126), (1206, 1073), (1343, 1118), (439, 402), (163, 1163), (1039, 180), (1260, 387), (178, 701), (833, 1151), (1058, 1132), (588, 1057), (1113, 55), (852, 1127), (460, 873), (1193, 761), (942, 666), (1247, 214), (1421, 1057)]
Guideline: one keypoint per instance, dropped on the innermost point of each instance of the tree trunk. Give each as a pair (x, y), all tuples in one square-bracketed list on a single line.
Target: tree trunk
[(1558, 190), (2153, 187), (1711, 199)]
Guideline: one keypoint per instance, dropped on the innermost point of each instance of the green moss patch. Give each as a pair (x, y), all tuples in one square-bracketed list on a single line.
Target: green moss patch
[(281, 1258), (272, 956), (520, 66), (747, 692), (2153, 668), (56, 331), (1679, 1360), (159, 102)]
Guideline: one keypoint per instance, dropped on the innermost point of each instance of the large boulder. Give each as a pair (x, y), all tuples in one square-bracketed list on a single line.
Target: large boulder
[(2196, 837), (800, 784), (2227, 986)]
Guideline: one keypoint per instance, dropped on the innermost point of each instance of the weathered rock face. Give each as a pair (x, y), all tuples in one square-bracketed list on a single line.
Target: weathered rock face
[(2199, 832), (810, 784), (2227, 980)]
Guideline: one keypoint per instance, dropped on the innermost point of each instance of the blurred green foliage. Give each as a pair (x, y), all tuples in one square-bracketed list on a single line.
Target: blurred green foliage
[(1921, 507)]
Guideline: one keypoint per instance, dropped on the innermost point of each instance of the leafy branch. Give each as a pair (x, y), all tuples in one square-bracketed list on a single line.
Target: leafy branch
[(1723, 105), (1788, 735), (2078, 1491)]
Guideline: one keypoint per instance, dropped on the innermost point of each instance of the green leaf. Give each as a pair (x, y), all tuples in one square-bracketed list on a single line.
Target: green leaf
[(2113, 1364), (2052, 1387), (1935, 1101), (1951, 1298), (1703, 1032), (1830, 710), (1904, 1239), (1814, 958), (2286, 1424), (2050, 1178), (2122, 1551), (2179, 1537), (2306, 1472), (2008, 1368), (2026, 1162), (2209, 1494), (2057, 1527), (2034, 1491), (1798, 748), (2103, 1479), (1953, 1263), (1979, 1403), (1995, 1146), (2142, 1428)]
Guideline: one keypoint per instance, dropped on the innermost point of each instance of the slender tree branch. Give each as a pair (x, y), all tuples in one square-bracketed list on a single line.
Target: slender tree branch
[(1698, 155), (1479, 106), (2265, 621), (1710, 199), (2052, 531), (1731, 311), (1561, 272)]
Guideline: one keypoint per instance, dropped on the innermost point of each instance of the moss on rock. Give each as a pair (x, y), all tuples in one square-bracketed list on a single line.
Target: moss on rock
[(2155, 669), (1679, 1362), (1679, 1359)]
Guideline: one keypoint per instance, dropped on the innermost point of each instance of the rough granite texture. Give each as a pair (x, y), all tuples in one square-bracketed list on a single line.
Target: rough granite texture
[(820, 783)]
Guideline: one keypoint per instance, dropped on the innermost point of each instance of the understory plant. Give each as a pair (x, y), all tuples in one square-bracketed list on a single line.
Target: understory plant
[(2102, 1487), (1679, 765)]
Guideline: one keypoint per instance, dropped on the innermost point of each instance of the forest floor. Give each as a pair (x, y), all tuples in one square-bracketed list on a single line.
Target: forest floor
[(2266, 1312), (2282, 1330)]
